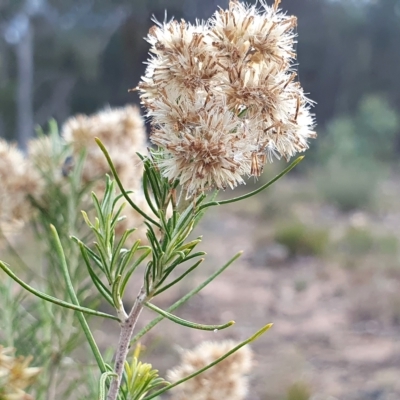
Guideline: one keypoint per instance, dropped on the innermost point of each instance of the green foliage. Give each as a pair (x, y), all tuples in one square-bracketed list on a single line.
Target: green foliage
[(351, 158), (350, 183), (43, 329), (110, 265), (298, 391), (369, 133), (358, 241), (302, 239), (110, 258), (140, 378)]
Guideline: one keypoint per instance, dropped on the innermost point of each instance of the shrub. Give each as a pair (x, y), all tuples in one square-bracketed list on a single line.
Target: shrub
[(349, 183), (298, 391), (300, 239)]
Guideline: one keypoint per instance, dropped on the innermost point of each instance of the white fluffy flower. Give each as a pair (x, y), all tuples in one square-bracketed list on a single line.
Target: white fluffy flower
[(222, 96)]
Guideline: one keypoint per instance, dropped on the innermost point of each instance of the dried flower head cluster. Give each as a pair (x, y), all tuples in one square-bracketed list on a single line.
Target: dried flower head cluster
[(222, 95), (15, 375), (225, 380), (122, 132), (47, 155), (17, 181)]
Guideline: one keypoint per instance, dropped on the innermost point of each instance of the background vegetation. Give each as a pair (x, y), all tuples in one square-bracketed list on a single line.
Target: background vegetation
[(323, 246)]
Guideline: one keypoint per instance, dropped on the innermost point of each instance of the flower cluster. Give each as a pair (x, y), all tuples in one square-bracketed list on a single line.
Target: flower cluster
[(17, 180), (122, 132), (15, 375), (225, 380), (222, 95)]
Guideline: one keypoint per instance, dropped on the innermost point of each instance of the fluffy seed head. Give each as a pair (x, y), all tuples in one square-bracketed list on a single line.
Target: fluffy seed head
[(222, 95), (122, 132), (226, 380), (15, 375), (18, 181)]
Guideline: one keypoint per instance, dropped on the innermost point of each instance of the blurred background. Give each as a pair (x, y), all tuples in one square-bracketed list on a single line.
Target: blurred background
[(322, 256)]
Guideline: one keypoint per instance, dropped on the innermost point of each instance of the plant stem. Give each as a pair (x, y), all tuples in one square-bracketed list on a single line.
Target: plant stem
[(127, 327)]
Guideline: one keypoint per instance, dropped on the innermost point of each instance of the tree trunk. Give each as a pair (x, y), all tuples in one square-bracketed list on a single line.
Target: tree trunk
[(24, 52)]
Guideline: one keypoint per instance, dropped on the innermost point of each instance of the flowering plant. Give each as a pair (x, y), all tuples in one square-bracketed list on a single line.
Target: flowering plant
[(222, 100)]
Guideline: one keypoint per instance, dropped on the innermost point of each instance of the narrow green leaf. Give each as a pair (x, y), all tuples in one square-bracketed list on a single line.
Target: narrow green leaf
[(153, 238), (190, 245), (194, 255), (104, 261), (116, 215), (185, 298), (52, 299), (74, 299), (102, 383), (116, 177), (179, 278), (97, 207), (183, 219), (115, 293), (188, 324), (254, 192), (148, 276), (103, 290), (132, 269), (126, 258), (94, 257), (117, 251), (87, 220), (147, 194), (164, 223)]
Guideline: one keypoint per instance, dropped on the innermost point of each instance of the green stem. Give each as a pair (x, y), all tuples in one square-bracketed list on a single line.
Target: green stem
[(74, 299), (239, 346), (254, 192), (52, 299)]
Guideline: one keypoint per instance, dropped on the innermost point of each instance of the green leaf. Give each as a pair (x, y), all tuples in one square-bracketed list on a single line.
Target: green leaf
[(116, 177), (185, 298), (126, 258), (179, 278), (102, 383), (254, 192), (74, 299), (116, 293), (188, 324), (103, 290), (132, 269), (52, 299), (147, 194)]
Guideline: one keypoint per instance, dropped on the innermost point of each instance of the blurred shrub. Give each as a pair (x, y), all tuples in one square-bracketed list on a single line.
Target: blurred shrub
[(376, 125), (360, 241), (351, 157), (301, 239), (370, 133), (357, 241), (298, 391), (349, 183), (388, 244)]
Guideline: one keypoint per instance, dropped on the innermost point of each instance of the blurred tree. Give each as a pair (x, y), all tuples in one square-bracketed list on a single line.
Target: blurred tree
[(88, 53)]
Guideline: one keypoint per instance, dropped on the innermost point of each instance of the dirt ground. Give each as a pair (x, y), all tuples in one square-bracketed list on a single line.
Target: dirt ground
[(336, 328)]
